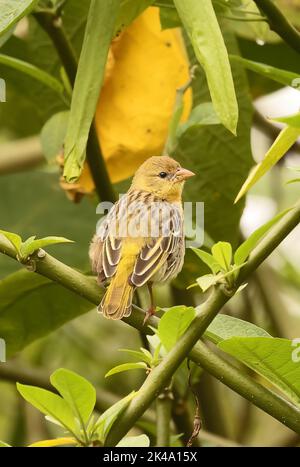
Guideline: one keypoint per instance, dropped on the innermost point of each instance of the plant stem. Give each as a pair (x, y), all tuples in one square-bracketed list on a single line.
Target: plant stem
[(183, 418), (163, 418), (236, 379), (164, 371), (53, 26), (279, 23)]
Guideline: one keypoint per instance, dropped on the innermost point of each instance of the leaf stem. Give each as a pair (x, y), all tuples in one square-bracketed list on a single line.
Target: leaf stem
[(279, 23)]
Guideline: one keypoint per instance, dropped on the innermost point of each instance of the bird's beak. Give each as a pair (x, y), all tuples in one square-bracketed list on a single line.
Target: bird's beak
[(184, 174)]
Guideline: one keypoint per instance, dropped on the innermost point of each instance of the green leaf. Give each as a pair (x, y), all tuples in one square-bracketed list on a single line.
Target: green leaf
[(221, 162), (248, 245), (107, 419), (201, 24), (13, 238), (207, 281), (284, 141), (141, 441), (293, 180), (224, 327), (169, 17), (49, 404), (174, 323), (91, 68), (12, 11), (4, 445), (36, 73), (208, 259), (25, 97), (79, 393), (291, 120), (31, 308), (287, 78), (31, 245), (53, 135), (126, 367), (201, 115), (222, 253), (270, 357), (135, 353)]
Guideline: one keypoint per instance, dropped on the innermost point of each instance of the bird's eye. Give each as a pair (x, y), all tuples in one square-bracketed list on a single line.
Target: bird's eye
[(163, 174)]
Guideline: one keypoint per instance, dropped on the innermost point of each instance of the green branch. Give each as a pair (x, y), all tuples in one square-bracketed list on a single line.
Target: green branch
[(163, 418), (234, 378), (159, 377), (53, 26), (279, 23)]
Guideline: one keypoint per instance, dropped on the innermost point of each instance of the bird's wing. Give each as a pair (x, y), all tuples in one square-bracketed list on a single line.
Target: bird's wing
[(105, 249), (160, 252)]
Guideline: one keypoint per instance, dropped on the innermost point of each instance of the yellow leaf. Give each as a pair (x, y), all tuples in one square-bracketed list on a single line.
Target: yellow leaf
[(138, 96), (48, 443)]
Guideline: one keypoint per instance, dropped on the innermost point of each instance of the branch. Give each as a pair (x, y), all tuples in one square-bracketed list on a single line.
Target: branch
[(279, 23), (159, 377), (232, 377), (21, 154), (163, 421), (53, 26)]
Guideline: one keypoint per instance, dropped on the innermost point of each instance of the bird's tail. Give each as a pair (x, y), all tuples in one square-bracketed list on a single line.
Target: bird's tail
[(117, 300)]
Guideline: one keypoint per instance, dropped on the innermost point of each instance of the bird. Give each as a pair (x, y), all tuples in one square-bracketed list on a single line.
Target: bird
[(141, 240)]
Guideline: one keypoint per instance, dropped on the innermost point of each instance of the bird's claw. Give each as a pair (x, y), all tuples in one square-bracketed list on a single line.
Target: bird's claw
[(150, 312)]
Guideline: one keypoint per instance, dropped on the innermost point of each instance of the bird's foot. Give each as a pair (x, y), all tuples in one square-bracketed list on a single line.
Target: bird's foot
[(150, 312)]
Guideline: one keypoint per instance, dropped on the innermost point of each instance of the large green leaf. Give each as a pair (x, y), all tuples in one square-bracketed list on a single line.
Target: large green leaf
[(202, 26), (79, 393), (174, 323), (284, 141), (49, 404), (25, 100), (31, 307), (223, 327), (220, 161), (271, 358), (35, 73), (91, 68), (12, 11)]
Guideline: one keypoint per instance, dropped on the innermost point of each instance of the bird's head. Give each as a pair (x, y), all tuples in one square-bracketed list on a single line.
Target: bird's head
[(162, 176)]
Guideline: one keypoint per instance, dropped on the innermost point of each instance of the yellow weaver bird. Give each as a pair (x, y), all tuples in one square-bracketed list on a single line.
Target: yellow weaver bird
[(141, 240)]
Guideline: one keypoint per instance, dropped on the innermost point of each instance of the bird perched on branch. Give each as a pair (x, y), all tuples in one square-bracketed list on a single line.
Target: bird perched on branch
[(141, 240)]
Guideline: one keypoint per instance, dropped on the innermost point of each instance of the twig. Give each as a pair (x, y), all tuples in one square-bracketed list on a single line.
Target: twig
[(183, 418), (19, 155), (279, 23)]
